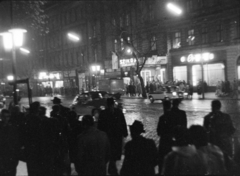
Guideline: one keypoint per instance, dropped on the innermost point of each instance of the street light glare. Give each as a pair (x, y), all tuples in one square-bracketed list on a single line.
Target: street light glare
[(17, 36), (175, 9), (7, 40), (73, 36), (10, 78), (25, 50)]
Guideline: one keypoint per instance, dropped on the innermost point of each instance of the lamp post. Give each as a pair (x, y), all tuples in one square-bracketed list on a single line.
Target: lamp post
[(11, 40)]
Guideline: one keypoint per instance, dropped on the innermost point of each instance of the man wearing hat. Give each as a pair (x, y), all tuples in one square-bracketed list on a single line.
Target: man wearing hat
[(63, 110), (112, 121), (140, 153)]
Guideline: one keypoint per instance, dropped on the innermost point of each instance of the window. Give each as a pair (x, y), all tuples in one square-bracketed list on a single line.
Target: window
[(236, 28), (83, 57), (219, 37), (73, 15), (94, 31), (189, 5), (191, 37), (204, 35), (153, 43), (95, 55), (121, 22), (177, 40), (127, 20), (115, 45), (122, 47), (114, 22), (72, 59), (151, 12)]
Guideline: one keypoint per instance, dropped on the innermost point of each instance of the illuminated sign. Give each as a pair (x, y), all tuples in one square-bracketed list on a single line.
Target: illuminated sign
[(127, 62), (197, 57), (44, 75)]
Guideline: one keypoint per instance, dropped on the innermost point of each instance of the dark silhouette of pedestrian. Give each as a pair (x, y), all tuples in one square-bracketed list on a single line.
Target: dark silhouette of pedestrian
[(33, 140), (184, 158), (214, 158), (164, 130), (112, 121), (9, 145), (140, 153), (93, 149), (62, 160), (63, 110), (220, 128)]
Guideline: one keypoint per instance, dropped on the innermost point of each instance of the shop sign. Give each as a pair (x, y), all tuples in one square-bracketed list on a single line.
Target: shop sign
[(197, 57), (127, 62), (156, 60), (48, 76)]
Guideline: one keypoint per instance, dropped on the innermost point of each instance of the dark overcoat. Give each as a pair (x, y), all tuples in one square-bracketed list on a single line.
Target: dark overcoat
[(114, 124)]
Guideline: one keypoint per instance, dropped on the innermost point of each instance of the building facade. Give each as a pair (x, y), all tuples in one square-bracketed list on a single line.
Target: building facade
[(204, 41)]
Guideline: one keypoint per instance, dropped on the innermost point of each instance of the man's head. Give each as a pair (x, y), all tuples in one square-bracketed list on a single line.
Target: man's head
[(34, 107), (56, 100), (5, 115), (216, 105), (176, 102), (166, 105), (198, 136), (110, 102), (87, 121), (42, 111), (136, 128)]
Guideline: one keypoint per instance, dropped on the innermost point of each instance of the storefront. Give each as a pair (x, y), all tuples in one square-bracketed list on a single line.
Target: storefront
[(188, 67)]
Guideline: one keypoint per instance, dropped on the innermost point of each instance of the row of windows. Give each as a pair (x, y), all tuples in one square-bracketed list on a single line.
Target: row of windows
[(66, 17), (67, 58), (191, 37)]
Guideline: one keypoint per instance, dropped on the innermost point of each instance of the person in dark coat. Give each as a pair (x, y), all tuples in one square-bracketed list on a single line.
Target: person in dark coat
[(93, 149), (32, 140), (220, 128), (140, 153), (63, 110), (165, 134), (9, 145), (112, 121)]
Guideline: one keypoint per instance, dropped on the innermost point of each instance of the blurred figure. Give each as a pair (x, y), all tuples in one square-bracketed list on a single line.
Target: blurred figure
[(165, 134), (220, 128), (93, 149), (214, 158), (63, 110), (95, 114), (112, 121), (184, 159), (9, 145), (140, 153)]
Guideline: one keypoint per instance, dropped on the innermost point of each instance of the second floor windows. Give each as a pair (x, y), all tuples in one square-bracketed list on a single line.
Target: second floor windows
[(121, 22), (127, 20), (177, 40), (204, 35), (219, 33), (153, 43), (191, 37)]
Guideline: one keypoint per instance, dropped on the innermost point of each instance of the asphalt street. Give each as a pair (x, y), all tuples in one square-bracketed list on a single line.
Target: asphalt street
[(148, 113)]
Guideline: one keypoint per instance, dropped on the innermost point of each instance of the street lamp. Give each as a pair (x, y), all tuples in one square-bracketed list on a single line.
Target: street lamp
[(174, 8), (25, 50), (11, 40), (10, 78), (73, 37)]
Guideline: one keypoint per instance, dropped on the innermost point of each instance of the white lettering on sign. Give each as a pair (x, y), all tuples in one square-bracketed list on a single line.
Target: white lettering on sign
[(198, 57), (127, 62)]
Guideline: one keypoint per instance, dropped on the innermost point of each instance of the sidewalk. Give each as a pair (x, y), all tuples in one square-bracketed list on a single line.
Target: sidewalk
[(208, 96)]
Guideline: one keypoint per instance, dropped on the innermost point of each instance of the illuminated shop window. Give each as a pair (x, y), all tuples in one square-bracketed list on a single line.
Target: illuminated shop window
[(180, 73)]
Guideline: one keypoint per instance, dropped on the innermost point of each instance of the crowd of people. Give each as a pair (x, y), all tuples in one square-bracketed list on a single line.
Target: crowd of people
[(95, 142), (227, 88)]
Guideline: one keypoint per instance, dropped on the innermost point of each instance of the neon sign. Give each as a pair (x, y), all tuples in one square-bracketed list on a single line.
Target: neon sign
[(127, 62), (197, 57)]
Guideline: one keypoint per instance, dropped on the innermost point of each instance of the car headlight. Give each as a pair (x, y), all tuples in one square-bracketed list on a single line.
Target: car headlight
[(174, 93), (4, 99), (124, 111), (185, 94)]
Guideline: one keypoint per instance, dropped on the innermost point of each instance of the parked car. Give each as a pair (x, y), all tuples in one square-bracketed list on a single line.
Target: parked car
[(85, 102), (166, 93)]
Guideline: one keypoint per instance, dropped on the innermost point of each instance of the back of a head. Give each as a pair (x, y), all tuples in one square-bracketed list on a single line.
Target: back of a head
[(180, 135), (166, 104), (198, 136), (34, 107), (87, 121), (176, 102), (216, 105), (110, 102), (42, 110), (136, 128), (56, 108)]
